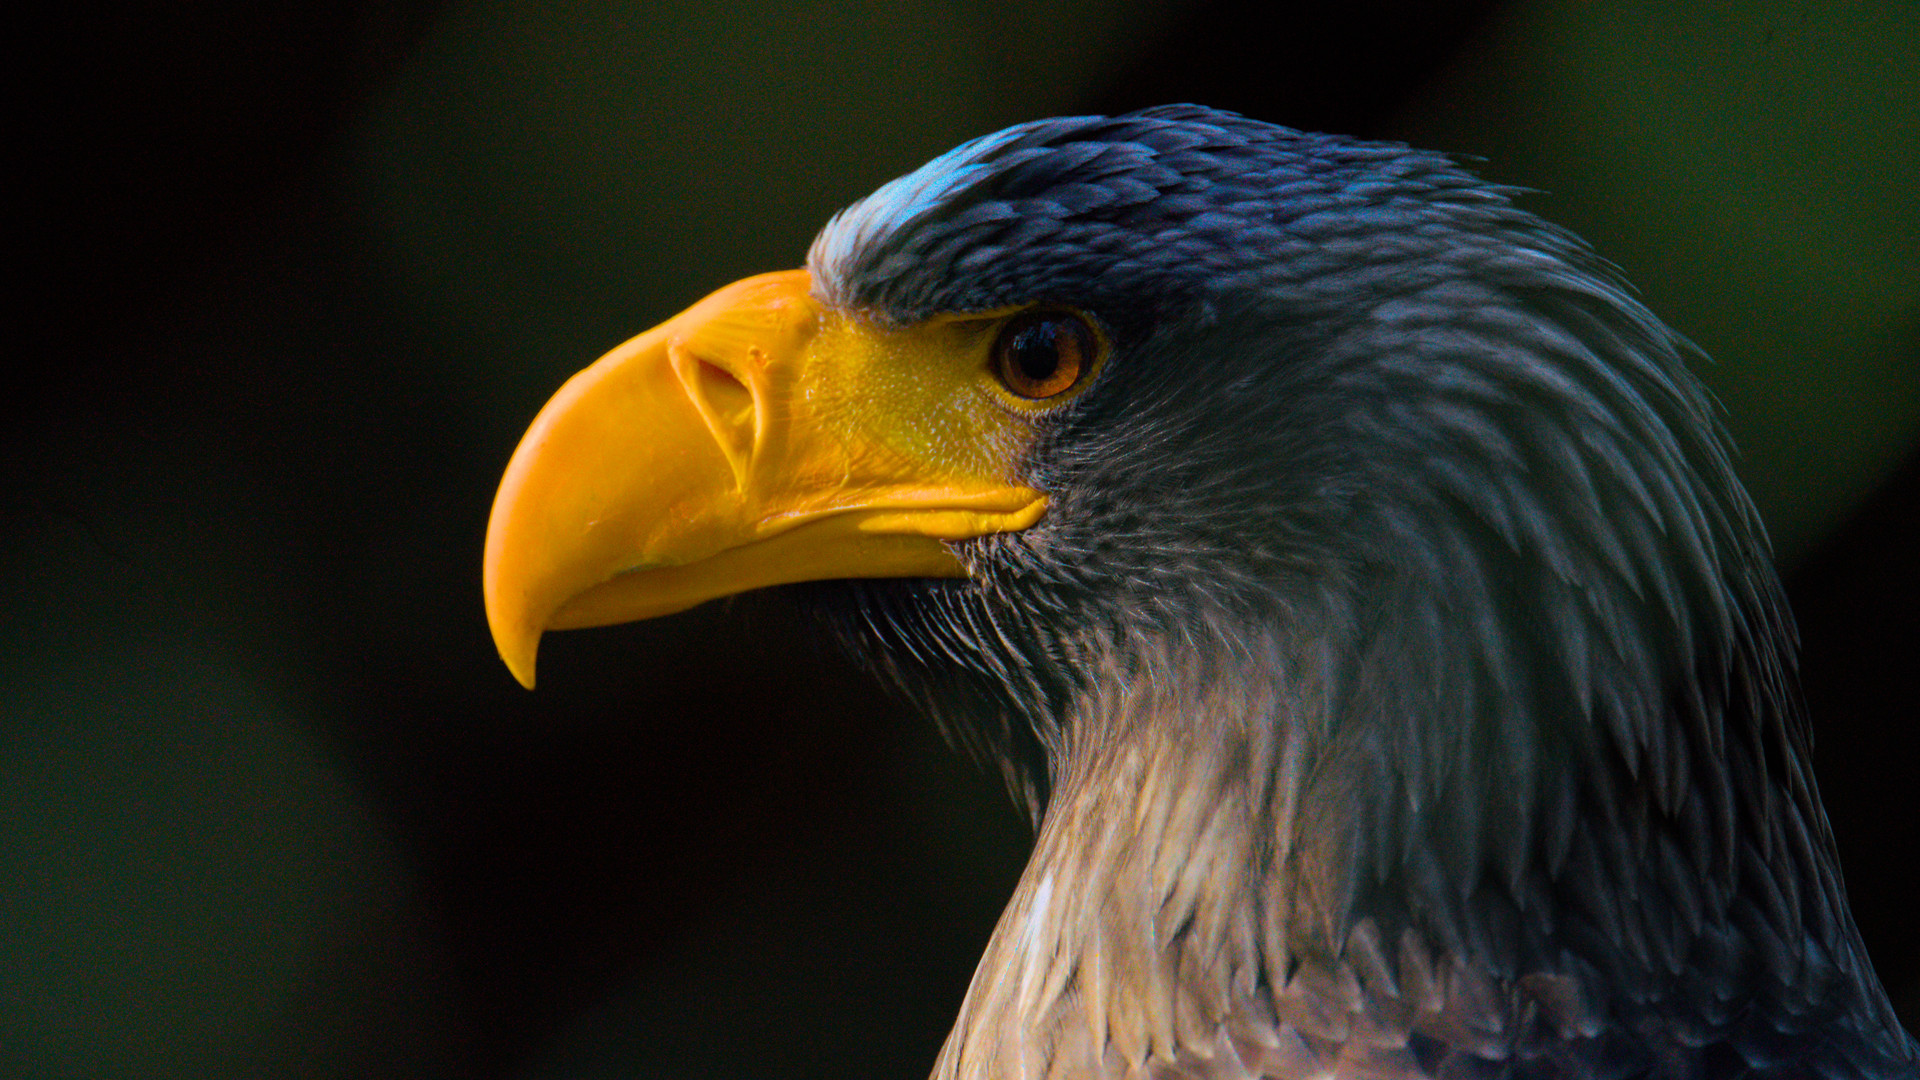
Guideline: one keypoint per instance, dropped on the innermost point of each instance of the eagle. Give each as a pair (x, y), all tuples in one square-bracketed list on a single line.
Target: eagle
[(1337, 559)]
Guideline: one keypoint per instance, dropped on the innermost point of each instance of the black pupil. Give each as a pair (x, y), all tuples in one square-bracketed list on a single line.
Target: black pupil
[(1036, 350)]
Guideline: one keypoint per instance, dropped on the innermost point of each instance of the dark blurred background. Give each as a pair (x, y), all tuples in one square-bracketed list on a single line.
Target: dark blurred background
[(291, 279)]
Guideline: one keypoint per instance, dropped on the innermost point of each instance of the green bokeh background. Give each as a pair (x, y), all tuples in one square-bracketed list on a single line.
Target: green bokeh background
[(295, 280)]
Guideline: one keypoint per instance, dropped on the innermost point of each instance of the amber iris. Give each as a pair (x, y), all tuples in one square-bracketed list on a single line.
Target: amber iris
[(1042, 354)]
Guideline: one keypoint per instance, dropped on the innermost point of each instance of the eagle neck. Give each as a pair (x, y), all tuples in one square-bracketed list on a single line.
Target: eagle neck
[(1234, 862)]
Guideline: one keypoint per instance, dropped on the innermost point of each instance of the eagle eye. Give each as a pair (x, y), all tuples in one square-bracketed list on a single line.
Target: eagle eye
[(1043, 354)]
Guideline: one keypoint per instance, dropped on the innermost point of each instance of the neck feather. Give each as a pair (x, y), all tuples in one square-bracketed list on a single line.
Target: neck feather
[(1233, 860)]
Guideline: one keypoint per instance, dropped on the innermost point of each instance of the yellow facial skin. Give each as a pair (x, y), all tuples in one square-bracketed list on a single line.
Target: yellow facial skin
[(755, 439)]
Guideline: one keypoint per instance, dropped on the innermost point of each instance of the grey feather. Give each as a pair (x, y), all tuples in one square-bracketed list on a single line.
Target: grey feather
[(1399, 678)]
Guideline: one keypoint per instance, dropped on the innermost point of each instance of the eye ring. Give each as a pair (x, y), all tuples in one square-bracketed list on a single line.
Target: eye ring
[(1040, 355)]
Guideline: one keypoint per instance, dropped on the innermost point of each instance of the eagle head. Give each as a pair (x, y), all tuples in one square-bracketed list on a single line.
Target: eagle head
[(1338, 560)]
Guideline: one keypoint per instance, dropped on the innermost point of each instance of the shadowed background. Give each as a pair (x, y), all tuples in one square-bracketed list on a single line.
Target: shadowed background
[(291, 280)]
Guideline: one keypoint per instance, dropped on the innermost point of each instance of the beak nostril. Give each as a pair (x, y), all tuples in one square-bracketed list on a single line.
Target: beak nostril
[(724, 402), (728, 398)]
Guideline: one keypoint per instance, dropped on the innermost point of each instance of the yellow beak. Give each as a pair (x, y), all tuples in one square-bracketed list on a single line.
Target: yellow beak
[(752, 440)]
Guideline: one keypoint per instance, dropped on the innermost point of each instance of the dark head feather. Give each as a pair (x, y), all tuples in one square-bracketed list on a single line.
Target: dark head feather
[(1396, 498)]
